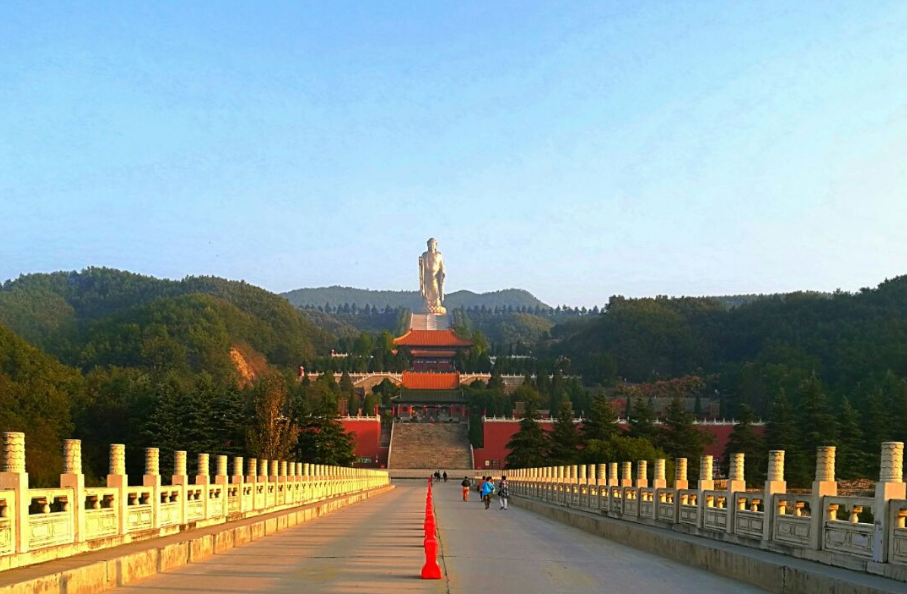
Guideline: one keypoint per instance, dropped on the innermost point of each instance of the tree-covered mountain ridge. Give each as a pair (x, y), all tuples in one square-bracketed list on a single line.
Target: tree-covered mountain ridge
[(337, 296), (103, 316)]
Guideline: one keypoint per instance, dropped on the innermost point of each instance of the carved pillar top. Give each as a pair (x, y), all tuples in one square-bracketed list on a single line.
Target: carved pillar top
[(680, 469), (179, 463), (775, 466), (237, 466), (736, 467), (152, 461), (221, 466), (705, 468), (204, 465), (14, 452), (892, 467), (626, 471), (253, 466), (72, 456), (825, 464), (642, 469), (117, 459), (659, 469)]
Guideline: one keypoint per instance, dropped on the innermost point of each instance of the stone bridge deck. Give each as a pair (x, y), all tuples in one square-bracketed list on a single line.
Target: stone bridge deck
[(376, 547)]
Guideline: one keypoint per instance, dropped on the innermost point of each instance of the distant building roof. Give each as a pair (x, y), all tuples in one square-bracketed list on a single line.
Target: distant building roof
[(431, 381), (432, 338)]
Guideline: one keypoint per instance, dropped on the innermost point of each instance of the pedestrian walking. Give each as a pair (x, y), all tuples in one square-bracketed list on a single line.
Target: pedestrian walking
[(445, 476), (504, 492), (487, 491), (465, 485)]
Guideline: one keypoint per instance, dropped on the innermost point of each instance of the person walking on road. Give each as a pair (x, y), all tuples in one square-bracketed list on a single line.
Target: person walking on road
[(445, 476), (465, 485), (504, 492), (487, 491)]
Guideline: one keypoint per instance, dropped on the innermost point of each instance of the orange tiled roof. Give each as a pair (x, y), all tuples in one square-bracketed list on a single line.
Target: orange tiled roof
[(431, 381), (431, 338)]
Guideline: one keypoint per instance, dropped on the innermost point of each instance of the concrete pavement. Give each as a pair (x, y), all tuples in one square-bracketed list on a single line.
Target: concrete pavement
[(376, 547), (518, 551)]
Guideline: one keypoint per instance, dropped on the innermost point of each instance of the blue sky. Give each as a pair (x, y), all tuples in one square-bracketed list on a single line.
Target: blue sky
[(577, 150)]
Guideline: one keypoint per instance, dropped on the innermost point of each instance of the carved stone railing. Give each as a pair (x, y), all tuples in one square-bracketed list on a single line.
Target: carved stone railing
[(868, 533), (41, 524)]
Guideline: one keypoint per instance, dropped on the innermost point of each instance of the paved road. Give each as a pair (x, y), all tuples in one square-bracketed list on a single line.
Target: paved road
[(376, 547), (517, 551)]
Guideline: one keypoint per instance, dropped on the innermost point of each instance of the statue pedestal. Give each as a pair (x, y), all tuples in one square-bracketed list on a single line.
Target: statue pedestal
[(438, 310)]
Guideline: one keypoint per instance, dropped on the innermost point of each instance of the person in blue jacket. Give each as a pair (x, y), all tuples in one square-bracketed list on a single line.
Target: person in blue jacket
[(487, 491)]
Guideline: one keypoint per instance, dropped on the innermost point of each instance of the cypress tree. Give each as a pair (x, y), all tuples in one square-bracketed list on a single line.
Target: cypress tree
[(528, 445), (564, 437), (744, 440), (781, 434), (852, 462), (679, 436), (642, 421), (601, 423)]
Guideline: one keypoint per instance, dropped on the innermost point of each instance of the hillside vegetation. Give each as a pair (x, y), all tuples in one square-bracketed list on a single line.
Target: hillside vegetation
[(334, 297)]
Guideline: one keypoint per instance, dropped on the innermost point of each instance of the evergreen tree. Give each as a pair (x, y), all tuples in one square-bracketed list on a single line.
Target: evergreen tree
[(851, 462), (744, 440), (781, 434), (815, 422), (528, 446), (346, 384), (679, 437), (273, 434), (601, 423), (323, 439), (564, 437), (642, 421)]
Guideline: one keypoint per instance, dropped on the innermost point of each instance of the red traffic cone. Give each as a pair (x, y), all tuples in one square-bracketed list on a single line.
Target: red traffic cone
[(431, 570)]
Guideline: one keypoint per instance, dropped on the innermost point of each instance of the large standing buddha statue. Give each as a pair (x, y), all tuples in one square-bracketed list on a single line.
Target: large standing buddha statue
[(431, 279)]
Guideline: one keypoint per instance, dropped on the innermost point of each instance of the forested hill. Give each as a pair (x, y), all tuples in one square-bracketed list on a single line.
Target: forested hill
[(101, 316), (340, 296), (851, 344)]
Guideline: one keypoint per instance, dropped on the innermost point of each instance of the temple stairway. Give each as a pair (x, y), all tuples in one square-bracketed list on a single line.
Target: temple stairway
[(430, 445)]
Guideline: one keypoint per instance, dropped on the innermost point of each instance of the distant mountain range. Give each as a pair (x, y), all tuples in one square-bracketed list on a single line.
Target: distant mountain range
[(338, 296)]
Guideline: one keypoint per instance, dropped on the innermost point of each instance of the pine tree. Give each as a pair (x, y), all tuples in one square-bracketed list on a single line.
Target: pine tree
[(852, 462), (601, 423), (642, 421), (815, 422), (744, 440), (346, 384), (323, 439), (528, 445), (564, 437), (679, 437), (781, 434)]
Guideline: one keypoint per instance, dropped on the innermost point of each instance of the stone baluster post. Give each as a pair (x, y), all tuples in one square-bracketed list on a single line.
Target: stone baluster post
[(659, 481), (220, 474), (72, 478), (14, 477), (582, 479), (706, 483), (642, 470), (774, 483), (680, 474), (282, 477), (117, 479), (263, 470), (237, 479), (152, 480), (252, 479), (626, 474), (736, 483), (612, 475), (890, 486), (602, 475), (204, 470)]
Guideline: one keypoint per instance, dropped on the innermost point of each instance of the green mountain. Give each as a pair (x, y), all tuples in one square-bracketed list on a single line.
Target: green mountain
[(339, 296), (36, 393), (101, 316)]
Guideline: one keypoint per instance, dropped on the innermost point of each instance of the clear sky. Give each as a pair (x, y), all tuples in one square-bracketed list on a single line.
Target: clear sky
[(577, 150)]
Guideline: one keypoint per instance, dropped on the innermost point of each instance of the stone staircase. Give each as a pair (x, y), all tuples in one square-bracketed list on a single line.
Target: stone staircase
[(430, 445)]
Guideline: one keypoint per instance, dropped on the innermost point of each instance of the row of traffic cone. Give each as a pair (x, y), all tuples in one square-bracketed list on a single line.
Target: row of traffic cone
[(431, 570)]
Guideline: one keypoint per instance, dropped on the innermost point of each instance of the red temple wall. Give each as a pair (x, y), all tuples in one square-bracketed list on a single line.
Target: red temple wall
[(367, 440), (497, 435)]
